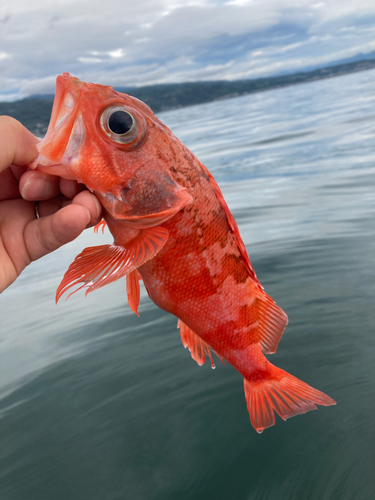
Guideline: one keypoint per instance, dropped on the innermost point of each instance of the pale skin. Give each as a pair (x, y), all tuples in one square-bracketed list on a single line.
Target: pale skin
[(65, 207)]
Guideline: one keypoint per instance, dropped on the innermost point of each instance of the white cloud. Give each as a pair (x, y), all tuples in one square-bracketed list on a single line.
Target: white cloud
[(4, 55), (89, 60), (115, 54), (127, 43)]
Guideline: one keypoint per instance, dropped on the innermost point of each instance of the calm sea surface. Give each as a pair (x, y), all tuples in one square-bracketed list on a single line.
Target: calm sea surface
[(99, 404)]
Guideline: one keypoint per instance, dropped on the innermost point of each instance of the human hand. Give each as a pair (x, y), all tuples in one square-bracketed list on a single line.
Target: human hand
[(64, 207)]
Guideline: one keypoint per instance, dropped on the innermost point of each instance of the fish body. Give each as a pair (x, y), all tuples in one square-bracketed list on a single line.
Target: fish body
[(172, 229)]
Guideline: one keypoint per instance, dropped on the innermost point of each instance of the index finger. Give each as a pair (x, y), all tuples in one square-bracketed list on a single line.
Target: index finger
[(17, 144)]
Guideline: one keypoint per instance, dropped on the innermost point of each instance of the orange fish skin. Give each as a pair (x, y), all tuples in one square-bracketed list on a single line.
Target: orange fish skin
[(159, 199), (199, 275)]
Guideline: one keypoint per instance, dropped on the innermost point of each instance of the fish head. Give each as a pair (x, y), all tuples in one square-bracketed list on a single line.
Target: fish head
[(114, 144)]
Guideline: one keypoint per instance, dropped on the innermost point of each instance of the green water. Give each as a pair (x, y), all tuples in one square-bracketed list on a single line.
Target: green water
[(100, 404)]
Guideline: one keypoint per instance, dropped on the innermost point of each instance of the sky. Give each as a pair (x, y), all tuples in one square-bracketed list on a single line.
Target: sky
[(128, 43)]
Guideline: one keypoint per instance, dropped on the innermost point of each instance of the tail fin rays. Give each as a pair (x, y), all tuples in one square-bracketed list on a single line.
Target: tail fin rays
[(281, 393)]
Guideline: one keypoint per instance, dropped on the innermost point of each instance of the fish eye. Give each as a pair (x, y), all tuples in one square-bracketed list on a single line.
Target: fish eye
[(120, 122), (123, 125)]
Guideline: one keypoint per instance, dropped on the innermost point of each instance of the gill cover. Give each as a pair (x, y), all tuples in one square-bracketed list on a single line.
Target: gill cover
[(151, 198)]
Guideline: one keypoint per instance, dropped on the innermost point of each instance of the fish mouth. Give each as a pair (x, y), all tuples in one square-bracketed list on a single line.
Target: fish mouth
[(63, 117), (60, 148), (61, 167)]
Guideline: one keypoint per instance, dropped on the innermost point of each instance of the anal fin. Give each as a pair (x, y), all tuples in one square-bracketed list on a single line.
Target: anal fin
[(97, 266), (197, 347)]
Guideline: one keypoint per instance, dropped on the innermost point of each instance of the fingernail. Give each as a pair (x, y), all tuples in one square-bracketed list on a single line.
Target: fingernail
[(98, 206), (35, 188), (88, 215)]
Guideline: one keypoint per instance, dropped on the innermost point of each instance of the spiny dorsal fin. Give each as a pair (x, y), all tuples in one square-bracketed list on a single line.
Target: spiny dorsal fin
[(233, 226), (270, 319)]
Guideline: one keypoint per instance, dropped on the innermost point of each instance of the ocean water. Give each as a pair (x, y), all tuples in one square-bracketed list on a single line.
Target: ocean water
[(99, 404)]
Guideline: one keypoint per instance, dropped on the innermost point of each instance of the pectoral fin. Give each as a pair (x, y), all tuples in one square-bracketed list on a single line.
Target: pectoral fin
[(97, 266)]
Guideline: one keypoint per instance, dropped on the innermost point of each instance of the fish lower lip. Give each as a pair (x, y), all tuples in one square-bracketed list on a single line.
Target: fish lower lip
[(51, 167), (42, 161)]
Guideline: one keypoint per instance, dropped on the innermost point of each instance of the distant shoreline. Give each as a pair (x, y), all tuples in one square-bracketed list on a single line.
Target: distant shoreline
[(326, 77), (34, 112), (165, 97)]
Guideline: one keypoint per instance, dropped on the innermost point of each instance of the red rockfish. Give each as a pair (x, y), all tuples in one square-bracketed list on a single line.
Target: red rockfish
[(172, 229)]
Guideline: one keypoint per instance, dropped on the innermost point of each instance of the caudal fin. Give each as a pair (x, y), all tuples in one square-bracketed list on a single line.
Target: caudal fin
[(282, 393)]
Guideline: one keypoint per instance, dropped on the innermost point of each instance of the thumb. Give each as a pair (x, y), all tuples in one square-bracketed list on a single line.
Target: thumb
[(17, 144), (49, 233)]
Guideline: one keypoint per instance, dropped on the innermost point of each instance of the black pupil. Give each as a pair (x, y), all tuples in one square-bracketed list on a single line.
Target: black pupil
[(120, 122)]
